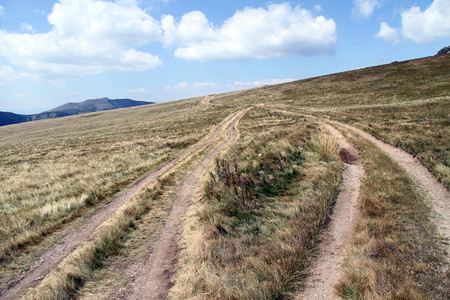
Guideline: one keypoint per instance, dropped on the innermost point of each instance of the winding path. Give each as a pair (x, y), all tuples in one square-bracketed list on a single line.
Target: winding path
[(153, 279)]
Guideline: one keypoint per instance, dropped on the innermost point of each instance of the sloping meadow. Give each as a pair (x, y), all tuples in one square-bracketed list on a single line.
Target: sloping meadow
[(404, 103)]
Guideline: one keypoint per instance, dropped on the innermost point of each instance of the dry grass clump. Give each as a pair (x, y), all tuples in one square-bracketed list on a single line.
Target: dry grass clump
[(252, 234), (54, 171), (396, 253)]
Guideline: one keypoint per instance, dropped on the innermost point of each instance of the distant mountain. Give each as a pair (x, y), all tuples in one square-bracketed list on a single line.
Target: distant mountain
[(7, 118), (70, 109)]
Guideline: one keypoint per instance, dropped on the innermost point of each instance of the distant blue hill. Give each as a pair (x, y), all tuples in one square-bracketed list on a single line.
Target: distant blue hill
[(70, 109)]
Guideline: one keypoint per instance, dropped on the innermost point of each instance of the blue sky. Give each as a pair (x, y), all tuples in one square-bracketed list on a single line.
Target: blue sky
[(53, 52)]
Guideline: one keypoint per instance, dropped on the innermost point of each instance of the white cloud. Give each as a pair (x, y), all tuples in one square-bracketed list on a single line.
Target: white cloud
[(26, 27), (277, 31), (318, 7), (426, 26), (193, 28), (180, 85), (136, 91), (2, 10), (87, 37), (388, 33), (363, 8), (231, 86)]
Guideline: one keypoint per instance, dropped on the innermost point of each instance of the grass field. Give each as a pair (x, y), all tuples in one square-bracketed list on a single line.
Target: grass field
[(55, 171), (252, 230)]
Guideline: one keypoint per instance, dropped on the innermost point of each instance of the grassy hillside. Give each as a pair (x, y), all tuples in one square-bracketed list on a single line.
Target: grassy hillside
[(253, 234), (404, 103)]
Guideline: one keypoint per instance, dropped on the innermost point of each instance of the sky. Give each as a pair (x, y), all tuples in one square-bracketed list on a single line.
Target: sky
[(54, 52)]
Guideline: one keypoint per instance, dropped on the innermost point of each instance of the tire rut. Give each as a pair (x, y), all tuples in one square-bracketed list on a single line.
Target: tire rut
[(153, 277), (326, 271)]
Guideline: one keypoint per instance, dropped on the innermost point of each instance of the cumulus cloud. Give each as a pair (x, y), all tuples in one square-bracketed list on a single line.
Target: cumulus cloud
[(277, 31), (363, 8), (87, 37), (425, 26), (388, 33)]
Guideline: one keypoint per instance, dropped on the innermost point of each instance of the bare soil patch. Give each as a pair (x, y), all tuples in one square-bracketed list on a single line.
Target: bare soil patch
[(346, 156), (326, 272)]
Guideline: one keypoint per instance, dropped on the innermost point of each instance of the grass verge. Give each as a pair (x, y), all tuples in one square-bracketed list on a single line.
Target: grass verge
[(252, 234), (396, 253)]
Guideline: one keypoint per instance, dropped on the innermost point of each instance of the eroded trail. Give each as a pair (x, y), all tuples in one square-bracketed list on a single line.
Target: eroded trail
[(437, 193), (50, 259), (153, 279), (326, 271)]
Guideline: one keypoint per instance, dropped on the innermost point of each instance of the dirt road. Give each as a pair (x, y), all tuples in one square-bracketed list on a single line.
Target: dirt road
[(325, 273), (153, 279), (50, 259)]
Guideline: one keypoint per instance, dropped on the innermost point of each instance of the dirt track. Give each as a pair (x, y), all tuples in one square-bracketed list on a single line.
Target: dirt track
[(207, 100), (325, 273), (154, 276), (50, 259), (153, 279), (438, 195)]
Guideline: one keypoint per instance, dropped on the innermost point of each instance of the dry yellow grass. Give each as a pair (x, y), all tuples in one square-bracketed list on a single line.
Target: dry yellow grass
[(55, 171), (260, 250)]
